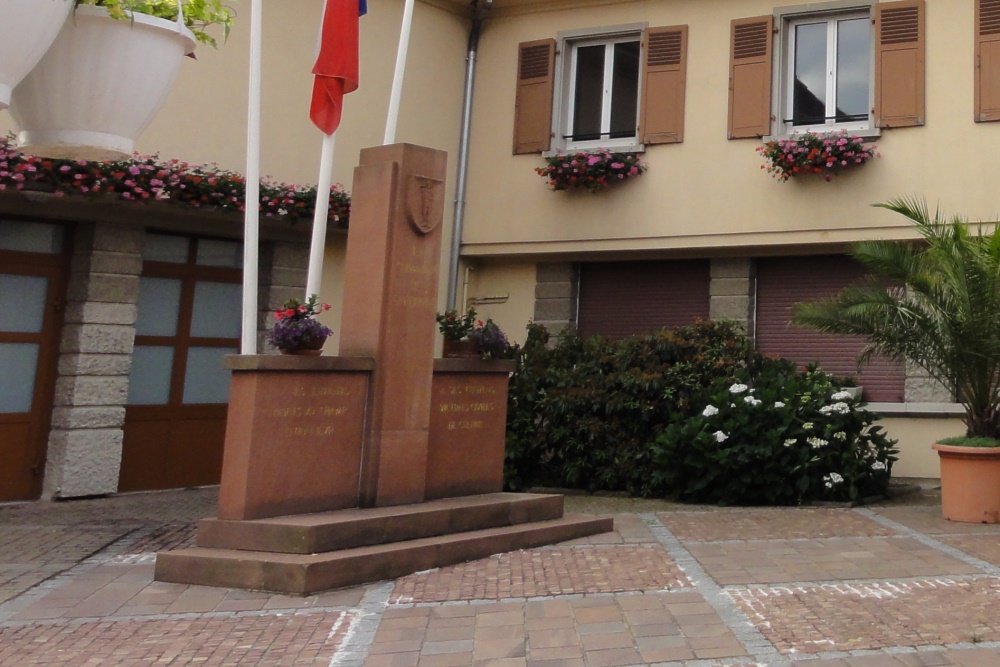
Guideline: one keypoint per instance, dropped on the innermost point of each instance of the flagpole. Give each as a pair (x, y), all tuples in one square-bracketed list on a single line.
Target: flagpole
[(320, 216), (397, 77), (251, 218)]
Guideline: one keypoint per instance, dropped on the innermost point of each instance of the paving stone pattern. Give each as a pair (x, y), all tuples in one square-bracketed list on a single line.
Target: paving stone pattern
[(895, 586)]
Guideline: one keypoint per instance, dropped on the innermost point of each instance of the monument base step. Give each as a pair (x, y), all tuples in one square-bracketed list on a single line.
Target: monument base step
[(304, 574), (350, 528)]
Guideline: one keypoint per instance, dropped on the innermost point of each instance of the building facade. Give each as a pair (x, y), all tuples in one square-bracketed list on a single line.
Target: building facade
[(694, 87)]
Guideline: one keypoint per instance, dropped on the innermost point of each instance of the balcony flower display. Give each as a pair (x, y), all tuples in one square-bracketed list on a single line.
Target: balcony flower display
[(812, 153), (591, 170)]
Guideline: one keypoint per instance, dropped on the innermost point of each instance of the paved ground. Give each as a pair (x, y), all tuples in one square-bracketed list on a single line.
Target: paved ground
[(891, 585)]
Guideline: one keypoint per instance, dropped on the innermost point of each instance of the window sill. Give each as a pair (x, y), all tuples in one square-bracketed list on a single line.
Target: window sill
[(926, 410), (631, 148), (869, 134)]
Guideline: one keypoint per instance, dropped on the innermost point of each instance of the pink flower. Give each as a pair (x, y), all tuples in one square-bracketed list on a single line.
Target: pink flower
[(617, 165), (592, 160)]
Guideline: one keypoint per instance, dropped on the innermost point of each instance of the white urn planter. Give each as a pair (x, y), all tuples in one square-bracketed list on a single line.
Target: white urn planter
[(99, 85), (27, 28)]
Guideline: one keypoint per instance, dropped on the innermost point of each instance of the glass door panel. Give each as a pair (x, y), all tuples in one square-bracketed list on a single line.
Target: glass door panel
[(18, 363), (22, 303)]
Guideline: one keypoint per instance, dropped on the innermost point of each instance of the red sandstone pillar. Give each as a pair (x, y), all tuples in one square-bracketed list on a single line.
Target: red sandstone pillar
[(390, 299)]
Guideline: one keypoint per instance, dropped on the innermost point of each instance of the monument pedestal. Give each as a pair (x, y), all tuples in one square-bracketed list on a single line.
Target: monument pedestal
[(382, 461)]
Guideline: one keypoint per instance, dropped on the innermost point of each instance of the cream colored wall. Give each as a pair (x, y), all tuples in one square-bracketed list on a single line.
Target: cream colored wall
[(708, 190), (503, 291), (916, 435)]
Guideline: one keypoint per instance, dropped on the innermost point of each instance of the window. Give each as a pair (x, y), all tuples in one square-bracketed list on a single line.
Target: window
[(602, 92), (855, 68), (620, 88), (827, 82)]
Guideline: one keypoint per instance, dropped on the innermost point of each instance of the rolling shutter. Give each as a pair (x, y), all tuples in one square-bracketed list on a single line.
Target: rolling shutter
[(786, 281), (533, 111), (987, 60), (899, 63), (624, 298), (664, 73), (750, 77)]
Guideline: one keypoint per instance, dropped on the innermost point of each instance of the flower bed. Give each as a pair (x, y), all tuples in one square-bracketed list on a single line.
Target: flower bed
[(593, 171), (812, 153), (147, 178)]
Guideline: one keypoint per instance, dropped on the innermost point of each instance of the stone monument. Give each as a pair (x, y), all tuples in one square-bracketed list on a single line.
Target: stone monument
[(380, 461)]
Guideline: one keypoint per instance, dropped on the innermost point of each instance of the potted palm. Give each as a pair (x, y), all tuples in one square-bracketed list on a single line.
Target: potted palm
[(107, 73), (945, 319), (27, 28)]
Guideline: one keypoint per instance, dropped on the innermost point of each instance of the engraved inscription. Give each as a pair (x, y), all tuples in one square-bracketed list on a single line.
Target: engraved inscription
[(464, 403), (311, 412)]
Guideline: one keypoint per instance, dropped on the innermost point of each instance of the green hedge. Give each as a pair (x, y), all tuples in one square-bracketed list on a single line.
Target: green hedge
[(626, 414)]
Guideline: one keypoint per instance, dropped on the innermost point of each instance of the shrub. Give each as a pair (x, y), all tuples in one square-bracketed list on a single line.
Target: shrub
[(792, 437), (585, 412)]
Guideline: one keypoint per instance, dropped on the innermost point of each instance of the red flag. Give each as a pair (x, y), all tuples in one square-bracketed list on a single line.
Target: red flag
[(336, 67)]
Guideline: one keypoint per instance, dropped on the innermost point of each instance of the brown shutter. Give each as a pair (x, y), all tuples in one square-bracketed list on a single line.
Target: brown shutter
[(664, 74), (623, 298), (987, 60), (783, 282), (899, 63), (750, 77), (533, 113)]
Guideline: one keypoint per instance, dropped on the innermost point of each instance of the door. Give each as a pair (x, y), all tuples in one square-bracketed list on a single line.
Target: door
[(187, 319), (32, 283)]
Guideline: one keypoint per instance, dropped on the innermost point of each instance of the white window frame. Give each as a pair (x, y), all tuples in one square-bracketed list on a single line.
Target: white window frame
[(830, 12), (565, 86)]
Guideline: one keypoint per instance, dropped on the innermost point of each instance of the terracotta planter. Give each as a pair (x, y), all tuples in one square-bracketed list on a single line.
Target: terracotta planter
[(461, 349), (970, 483), (27, 28), (312, 348), (99, 85)]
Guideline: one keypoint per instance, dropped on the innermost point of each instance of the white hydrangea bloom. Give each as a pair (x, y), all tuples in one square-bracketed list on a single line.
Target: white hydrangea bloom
[(840, 435), (841, 396), (807, 426), (779, 404), (840, 408), (738, 388), (790, 442), (709, 411), (720, 436), (878, 465), (817, 442), (750, 400), (832, 479)]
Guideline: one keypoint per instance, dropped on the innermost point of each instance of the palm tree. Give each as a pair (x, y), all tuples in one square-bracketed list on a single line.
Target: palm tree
[(943, 313)]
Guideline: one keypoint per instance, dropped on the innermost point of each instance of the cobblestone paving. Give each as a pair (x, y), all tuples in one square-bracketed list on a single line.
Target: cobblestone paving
[(543, 572), (816, 587), (770, 524)]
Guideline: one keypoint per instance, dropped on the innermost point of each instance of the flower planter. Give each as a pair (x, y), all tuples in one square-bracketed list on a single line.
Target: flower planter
[(99, 85), (27, 28), (970, 483), (312, 348), (461, 349)]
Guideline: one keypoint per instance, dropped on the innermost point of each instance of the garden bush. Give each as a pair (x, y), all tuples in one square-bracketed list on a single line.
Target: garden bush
[(626, 414), (792, 437)]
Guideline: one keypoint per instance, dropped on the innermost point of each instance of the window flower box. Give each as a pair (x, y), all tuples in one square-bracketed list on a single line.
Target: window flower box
[(826, 154), (593, 171)]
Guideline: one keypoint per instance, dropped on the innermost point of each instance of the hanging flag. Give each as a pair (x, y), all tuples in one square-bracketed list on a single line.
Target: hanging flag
[(336, 66)]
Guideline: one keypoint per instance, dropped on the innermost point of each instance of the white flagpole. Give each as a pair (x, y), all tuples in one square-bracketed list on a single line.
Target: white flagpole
[(315, 276), (251, 220), (397, 77)]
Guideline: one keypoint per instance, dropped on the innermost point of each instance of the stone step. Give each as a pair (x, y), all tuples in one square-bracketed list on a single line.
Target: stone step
[(304, 574), (348, 529)]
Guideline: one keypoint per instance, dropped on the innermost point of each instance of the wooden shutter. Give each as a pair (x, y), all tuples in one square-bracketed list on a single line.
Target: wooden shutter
[(624, 298), (783, 282), (750, 77), (664, 75), (899, 63), (987, 60), (533, 112)]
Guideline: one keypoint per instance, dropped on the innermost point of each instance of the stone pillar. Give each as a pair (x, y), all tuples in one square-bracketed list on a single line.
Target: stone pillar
[(732, 290), (85, 443), (390, 297), (557, 288), (284, 269)]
